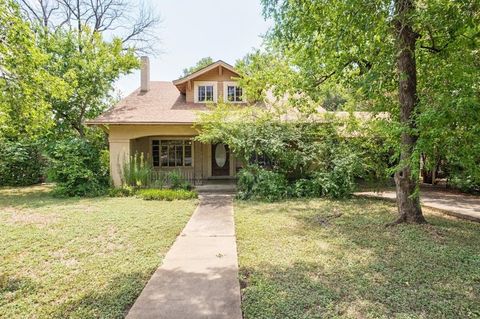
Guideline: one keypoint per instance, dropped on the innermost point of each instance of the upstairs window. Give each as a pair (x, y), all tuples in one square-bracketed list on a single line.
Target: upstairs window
[(205, 92), (233, 93)]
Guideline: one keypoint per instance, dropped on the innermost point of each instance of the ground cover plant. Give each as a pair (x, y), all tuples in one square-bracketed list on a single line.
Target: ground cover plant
[(80, 257), (324, 258), (166, 194)]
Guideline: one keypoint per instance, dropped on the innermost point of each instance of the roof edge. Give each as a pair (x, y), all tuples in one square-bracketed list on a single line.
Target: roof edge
[(136, 123), (205, 70)]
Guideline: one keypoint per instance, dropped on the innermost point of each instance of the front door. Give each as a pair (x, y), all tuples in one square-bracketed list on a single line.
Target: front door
[(220, 160)]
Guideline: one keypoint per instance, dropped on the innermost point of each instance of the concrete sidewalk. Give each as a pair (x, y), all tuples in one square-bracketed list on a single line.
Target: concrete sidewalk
[(199, 275), (455, 204)]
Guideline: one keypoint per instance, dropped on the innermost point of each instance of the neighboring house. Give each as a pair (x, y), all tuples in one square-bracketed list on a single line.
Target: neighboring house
[(157, 120)]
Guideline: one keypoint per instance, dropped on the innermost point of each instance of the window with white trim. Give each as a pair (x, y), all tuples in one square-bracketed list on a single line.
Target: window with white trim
[(205, 91), (172, 153), (233, 93)]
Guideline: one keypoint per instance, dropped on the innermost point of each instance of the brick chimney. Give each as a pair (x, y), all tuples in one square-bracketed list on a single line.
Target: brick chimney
[(145, 74)]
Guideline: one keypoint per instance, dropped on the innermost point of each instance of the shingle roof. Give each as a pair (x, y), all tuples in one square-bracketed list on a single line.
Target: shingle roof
[(163, 103)]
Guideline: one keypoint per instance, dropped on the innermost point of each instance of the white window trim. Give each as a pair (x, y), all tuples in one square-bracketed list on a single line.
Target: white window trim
[(196, 84), (225, 92)]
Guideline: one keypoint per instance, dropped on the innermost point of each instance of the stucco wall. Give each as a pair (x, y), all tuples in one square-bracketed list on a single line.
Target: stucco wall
[(126, 140)]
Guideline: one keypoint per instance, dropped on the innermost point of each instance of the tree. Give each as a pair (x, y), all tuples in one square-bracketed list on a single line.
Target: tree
[(134, 23), (24, 82), (90, 73), (203, 62), (397, 55)]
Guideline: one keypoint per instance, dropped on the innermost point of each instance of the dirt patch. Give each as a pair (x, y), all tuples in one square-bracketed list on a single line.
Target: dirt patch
[(322, 219), (28, 217)]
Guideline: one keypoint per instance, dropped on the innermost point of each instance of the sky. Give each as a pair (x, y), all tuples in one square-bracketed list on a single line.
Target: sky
[(191, 29)]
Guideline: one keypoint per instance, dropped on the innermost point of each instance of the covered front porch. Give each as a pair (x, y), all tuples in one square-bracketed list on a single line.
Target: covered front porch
[(170, 148)]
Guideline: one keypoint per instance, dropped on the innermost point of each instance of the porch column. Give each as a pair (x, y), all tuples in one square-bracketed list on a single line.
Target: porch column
[(119, 154)]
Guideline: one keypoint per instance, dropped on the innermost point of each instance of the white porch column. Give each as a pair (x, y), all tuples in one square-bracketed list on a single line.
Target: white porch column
[(119, 154)]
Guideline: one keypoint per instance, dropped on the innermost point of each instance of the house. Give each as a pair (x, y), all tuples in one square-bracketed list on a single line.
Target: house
[(157, 120)]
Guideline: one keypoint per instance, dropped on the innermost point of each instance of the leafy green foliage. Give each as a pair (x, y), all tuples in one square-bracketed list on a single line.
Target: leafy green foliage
[(166, 194), (257, 183), (138, 172), (177, 181), (462, 180), (91, 66), (313, 154), (203, 62), (21, 163), (353, 45), (52, 81), (77, 169), (24, 82)]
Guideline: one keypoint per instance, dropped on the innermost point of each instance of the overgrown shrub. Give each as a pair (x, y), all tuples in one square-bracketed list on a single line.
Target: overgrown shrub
[(21, 163), (314, 154), (468, 183), (77, 168), (259, 183), (339, 180), (177, 181), (166, 194), (335, 181)]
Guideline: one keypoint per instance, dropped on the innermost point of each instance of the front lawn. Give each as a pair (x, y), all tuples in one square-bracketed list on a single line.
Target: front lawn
[(80, 258), (336, 259)]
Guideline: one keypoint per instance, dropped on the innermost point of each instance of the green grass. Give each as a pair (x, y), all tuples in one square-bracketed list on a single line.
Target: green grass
[(80, 258), (336, 259)]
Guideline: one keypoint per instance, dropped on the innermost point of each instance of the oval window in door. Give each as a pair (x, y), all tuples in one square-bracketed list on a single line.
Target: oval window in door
[(220, 155)]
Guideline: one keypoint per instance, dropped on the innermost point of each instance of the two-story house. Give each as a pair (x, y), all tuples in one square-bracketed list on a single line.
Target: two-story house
[(157, 120)]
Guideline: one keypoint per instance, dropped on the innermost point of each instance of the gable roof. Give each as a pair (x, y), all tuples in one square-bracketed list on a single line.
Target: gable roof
[(205, 70)]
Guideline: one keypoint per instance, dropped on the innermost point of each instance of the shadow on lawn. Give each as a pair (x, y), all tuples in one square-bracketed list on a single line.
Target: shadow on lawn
[(111, 302), (36, 196), (354, 266), (174, 294), (13, 285)]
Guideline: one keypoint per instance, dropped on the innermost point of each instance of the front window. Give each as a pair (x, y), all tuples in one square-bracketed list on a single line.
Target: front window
[(234, 93), (172, 153), (205, 93)]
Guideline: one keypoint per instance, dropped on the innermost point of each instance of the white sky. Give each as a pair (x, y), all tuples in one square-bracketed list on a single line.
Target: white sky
[(191, 29)]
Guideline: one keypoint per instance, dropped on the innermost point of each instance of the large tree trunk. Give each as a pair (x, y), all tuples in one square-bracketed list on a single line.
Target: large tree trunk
[(408, 200)]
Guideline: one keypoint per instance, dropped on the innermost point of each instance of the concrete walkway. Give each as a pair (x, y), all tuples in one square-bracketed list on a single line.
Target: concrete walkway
[(455, 204), (199, 275)]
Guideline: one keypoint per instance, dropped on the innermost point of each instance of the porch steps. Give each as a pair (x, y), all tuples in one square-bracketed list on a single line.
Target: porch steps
[(217, 187)]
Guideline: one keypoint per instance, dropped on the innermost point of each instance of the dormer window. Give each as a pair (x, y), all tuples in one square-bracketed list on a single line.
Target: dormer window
[(233, 93), (205, 91)]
